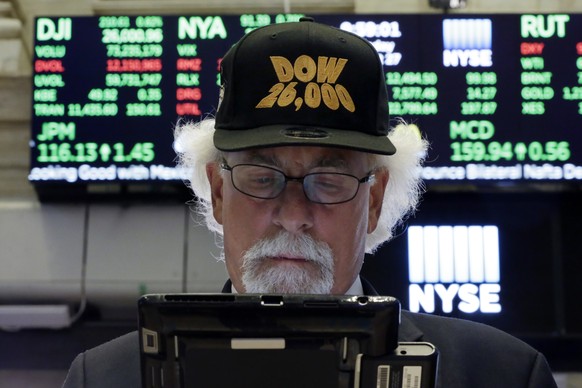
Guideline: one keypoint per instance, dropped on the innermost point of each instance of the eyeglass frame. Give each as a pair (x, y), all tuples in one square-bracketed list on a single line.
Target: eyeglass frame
[(370, 177)]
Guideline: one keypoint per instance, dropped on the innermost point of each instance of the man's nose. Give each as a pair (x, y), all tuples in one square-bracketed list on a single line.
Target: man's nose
[(294, 212)]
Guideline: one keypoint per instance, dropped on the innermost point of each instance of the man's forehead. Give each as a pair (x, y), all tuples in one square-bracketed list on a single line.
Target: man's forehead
[(307, 156)]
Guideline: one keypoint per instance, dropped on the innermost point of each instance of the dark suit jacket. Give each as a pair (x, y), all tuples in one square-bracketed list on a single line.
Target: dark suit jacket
[(472, 355)]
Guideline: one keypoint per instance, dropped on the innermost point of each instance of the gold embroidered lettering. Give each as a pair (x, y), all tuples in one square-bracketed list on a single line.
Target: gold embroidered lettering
[(329, 69), (305, 68), (298, 103), (345, 98), (269, 101), (312, 95), (283, 68), (329, 96), (287, 95), (326, 71)]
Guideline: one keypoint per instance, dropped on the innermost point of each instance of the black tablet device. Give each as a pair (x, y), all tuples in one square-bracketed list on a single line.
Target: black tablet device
[(252, 340)]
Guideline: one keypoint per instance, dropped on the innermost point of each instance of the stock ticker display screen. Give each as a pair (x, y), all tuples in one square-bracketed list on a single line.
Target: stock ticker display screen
[(499, 97)]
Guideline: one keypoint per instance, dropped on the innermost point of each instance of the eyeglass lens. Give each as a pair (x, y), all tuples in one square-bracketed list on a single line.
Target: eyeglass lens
[(265, 182)]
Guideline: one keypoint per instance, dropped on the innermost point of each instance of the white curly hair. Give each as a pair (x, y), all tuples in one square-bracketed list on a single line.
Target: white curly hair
[(195, 148)]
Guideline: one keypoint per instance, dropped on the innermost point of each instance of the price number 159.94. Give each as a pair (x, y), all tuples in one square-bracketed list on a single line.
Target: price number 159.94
[(535, 151)]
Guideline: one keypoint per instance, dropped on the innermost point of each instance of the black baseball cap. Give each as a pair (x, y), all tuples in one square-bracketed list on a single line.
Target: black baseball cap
[(302, 83)]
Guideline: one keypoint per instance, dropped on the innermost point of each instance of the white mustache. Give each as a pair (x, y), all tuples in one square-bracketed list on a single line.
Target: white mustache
[(286, 244)]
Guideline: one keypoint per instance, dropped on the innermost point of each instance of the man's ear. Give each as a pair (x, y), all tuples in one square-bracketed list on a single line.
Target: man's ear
[(215, 179), (377, 191)]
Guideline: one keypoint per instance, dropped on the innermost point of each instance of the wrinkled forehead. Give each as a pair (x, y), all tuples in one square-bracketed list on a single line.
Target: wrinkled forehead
[(305, 157)]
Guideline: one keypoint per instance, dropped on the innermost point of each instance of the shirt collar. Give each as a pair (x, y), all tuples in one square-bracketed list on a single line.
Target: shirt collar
[(356, 288)]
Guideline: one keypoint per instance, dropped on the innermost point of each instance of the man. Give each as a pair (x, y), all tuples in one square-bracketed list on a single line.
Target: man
[(301, 175)]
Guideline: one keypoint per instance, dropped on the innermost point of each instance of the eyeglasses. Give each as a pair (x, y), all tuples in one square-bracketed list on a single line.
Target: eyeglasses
[(319, 187)]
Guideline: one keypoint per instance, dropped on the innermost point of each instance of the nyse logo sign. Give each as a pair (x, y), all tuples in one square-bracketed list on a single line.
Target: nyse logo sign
[(456, 266), (467, 43)]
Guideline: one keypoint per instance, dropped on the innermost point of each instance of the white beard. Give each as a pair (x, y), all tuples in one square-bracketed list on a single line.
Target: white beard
[(263, 274)]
